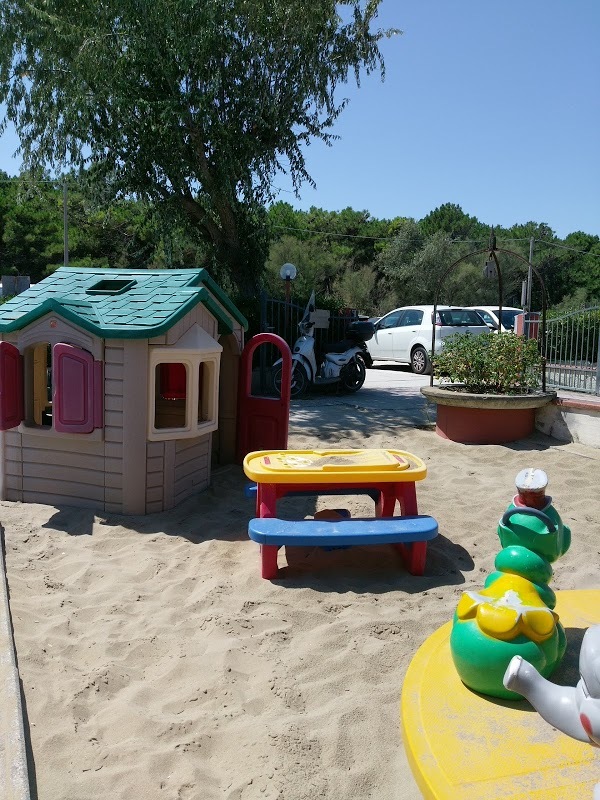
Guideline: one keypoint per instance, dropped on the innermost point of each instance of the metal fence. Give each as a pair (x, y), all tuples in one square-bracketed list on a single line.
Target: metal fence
[(572, 347), (282, 317)]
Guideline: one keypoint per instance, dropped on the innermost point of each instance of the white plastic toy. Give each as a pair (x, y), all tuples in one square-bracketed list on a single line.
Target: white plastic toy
[(573, 710)]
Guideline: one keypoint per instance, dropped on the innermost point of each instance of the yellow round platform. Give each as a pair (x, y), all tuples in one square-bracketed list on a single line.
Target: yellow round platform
[(465, 746)]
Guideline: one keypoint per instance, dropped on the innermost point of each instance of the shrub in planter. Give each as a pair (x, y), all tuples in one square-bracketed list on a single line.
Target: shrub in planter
[(491, 363)]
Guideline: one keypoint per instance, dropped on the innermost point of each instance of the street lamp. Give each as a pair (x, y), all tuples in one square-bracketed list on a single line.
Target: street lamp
[(288, 272)]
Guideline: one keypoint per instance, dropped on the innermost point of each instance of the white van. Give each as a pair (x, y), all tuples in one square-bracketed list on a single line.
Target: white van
[(490, 316)]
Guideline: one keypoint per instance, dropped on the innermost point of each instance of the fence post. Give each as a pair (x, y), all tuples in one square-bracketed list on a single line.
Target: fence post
[(598, 364)]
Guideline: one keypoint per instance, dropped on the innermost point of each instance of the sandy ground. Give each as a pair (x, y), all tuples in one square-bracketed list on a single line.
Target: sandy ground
[(156, 663)]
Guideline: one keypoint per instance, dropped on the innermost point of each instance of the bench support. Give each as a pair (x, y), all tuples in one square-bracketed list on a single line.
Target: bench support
[(413, 555), (268, 558)]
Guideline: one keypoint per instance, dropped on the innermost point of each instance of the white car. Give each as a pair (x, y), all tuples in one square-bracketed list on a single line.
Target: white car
[(490, 316), (405, 334)]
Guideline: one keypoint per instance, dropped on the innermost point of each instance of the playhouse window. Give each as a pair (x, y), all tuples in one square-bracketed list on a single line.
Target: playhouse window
[(170, 402), (41, 379), (204, 391), (184, 387), (54, 387), (184, 397)]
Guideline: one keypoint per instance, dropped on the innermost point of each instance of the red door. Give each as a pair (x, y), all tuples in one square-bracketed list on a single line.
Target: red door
[(263, 421)]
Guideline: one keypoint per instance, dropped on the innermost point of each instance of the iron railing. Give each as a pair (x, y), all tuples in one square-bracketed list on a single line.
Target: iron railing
[(282, 317), (572, 348)]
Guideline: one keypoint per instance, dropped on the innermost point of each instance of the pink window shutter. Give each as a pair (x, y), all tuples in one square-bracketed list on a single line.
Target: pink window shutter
[(11, 387), (74, 400)]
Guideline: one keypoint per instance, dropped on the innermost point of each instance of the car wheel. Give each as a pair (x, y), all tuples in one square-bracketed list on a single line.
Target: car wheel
[(299, 381), (419, 361), (353, 375)]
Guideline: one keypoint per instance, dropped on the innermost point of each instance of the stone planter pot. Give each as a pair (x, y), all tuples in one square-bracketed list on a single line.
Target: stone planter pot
[(485, 418)]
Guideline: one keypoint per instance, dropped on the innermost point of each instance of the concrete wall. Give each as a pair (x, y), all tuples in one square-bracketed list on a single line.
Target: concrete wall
[(571, 420)]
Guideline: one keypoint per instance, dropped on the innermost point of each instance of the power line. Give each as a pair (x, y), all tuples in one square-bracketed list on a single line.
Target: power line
[(381, 238), (572, 249)]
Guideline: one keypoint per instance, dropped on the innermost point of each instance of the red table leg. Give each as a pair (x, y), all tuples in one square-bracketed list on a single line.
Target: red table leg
[(266, 500), (387, 500), (413, 554), (407, 497)]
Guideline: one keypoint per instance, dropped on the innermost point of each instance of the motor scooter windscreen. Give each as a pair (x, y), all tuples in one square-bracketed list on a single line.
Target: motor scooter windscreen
[(310, 307)]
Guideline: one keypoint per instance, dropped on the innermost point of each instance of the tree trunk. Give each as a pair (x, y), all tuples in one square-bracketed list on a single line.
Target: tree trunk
[(242, 263)]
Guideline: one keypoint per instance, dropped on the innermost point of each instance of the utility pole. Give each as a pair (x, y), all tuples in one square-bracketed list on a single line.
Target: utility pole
[(529, 275), (65, 225)]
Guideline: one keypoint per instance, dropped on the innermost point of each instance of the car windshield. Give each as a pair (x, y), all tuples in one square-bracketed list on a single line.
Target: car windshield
[(508, 316), (459, 317)]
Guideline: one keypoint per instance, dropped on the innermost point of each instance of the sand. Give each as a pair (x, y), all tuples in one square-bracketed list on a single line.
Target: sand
[(156, 663)]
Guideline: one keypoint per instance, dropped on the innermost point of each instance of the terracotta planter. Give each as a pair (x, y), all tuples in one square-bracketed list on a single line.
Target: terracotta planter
[(485, 418)]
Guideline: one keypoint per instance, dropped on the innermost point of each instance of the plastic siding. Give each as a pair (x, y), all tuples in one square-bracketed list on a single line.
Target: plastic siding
[(135, 414)]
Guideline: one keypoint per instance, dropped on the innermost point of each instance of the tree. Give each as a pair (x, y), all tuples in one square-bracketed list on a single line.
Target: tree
[(451, 220), (193, 104), (31, 227), (572, 271), (317, 267)]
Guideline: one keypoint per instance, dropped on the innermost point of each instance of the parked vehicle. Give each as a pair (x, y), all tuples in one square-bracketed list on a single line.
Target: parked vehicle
[(489, 315), (342, 362), (405, 334)]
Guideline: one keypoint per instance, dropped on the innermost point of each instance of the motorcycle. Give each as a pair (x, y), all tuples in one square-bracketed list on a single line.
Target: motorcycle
[(344, 363)]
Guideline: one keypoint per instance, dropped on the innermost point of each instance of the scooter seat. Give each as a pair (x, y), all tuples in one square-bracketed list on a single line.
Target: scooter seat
[(337, 347)]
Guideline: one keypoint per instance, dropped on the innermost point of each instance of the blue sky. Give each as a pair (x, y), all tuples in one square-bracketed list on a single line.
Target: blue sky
[(491, 105), (494, 106)]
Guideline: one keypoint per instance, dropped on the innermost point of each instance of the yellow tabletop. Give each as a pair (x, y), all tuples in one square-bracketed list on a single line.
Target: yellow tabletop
[(327, 466), (463, 745)]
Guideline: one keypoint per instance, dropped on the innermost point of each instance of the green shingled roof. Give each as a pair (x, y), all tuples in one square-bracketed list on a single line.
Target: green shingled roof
[(121, 304)]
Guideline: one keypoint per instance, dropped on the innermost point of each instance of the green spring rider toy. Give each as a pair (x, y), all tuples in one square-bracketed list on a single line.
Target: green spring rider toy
[(513, 614)]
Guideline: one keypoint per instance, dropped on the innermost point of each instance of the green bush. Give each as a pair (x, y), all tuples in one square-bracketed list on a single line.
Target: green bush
[(491, 363)]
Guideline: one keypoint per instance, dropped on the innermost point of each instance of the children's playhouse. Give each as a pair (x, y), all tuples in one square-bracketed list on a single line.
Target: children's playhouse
[(117, 388)]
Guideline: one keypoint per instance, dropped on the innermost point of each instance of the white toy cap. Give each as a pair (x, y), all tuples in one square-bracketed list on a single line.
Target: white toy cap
[(531, 480)]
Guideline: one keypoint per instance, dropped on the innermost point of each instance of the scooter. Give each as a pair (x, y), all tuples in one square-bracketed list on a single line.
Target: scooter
[(344, 363)]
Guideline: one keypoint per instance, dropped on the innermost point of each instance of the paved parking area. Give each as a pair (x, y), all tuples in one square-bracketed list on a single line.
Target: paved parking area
[(390, 397)]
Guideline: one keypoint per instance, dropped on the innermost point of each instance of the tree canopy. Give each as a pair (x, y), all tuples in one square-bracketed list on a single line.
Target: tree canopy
[(350, 258), (193, 104)]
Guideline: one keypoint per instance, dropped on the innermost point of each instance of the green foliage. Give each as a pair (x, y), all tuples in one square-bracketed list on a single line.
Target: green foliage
[(415, 264), (451, 220), (194, 106), (127, 235), (350, 258), (333, 251), (355, 288), (31, 225), (317, 267), (490, 363)]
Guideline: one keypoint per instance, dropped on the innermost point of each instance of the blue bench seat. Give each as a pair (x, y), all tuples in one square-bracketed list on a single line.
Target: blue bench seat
[(408, 534)]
